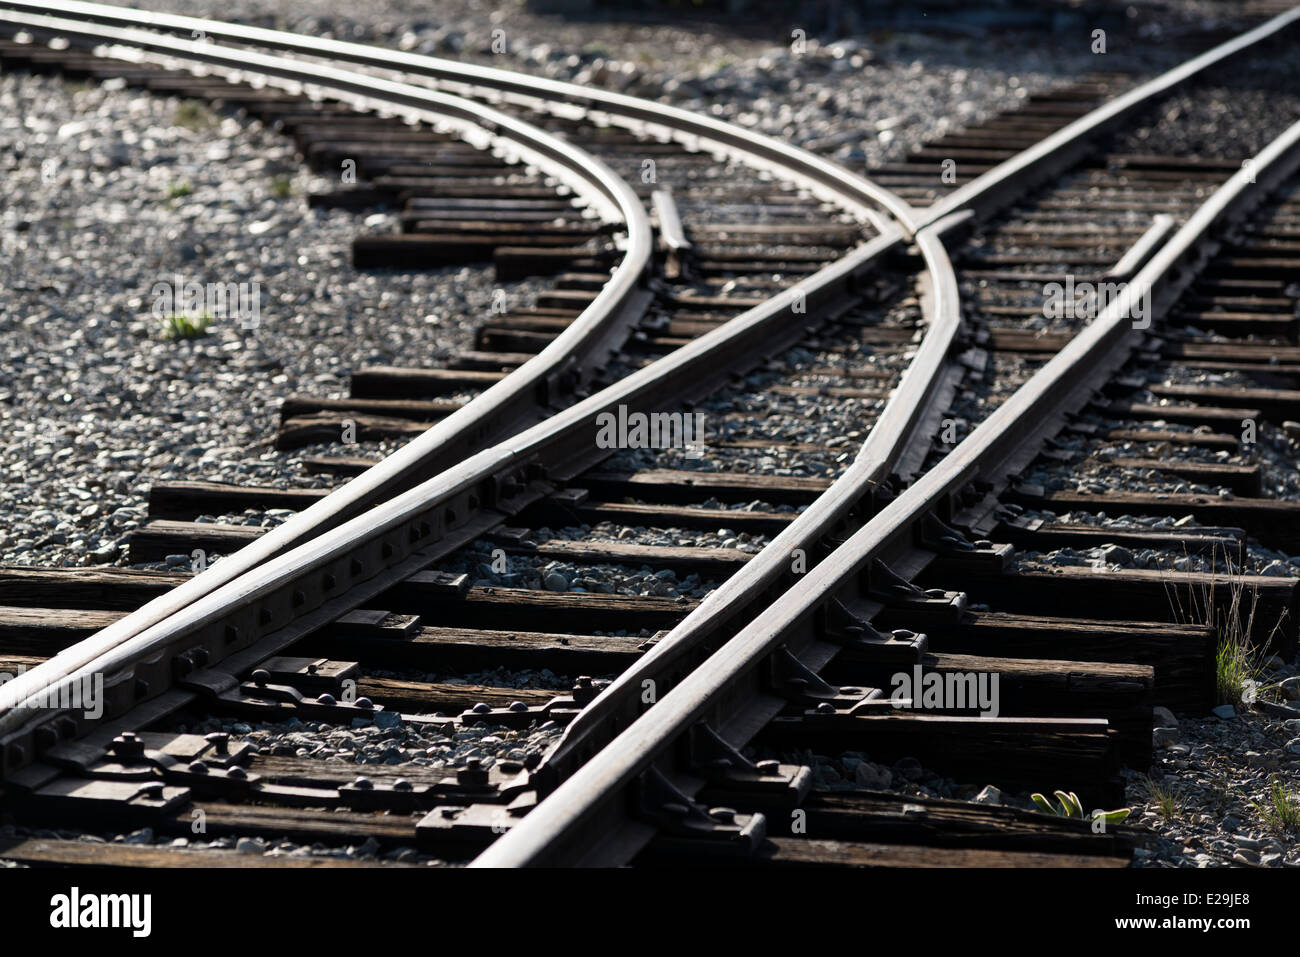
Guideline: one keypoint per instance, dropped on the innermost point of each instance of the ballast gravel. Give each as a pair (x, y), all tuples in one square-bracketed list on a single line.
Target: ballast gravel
[(98, 408), (387, 740), (111, 196), (95, 407)]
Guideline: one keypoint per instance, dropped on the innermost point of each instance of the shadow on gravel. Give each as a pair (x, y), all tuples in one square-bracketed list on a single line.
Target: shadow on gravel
[(1141, 35)]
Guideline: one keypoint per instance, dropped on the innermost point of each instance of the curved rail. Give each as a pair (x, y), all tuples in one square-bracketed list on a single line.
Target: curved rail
[(276, 603), (1066, 146), (259, 594), (596, 798), (486, 418), (826, 177), (765, 576), (996, 187), (830, 281), (924, 390), (508, 405)]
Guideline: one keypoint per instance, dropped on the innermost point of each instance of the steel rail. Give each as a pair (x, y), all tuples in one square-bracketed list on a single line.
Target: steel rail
[(454, 438), (588, 820), (888, 242), (1000, 185), (996, 188), (925, 388), (140, 630), (1060, 150), (767, 574), (1010, 179), (999, 181), (826, 177), (503, 409), (287, 597)]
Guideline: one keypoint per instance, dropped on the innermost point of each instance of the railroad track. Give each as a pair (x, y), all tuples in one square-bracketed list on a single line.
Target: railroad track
[(376, 574), (952, 532)]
